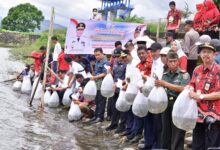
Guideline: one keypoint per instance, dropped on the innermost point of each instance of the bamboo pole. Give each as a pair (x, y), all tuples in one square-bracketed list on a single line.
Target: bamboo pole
[(158, 30), (47, 54)]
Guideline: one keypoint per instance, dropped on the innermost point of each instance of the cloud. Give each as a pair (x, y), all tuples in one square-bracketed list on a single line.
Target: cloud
[(65, 9)]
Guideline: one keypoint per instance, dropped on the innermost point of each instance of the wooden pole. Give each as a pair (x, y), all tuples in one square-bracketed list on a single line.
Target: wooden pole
[(47, 54), (158, 30)]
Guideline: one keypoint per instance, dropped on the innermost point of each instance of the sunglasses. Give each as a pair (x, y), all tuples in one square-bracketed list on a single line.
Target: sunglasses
[(115, 56)]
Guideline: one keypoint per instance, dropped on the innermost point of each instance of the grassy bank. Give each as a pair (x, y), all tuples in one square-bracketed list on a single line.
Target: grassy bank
[(24, 50)]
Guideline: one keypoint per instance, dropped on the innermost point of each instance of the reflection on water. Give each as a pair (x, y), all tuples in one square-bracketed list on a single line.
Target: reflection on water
[(28, 128)]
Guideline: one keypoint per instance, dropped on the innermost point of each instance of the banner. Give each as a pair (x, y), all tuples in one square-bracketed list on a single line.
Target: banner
[(83, 36)]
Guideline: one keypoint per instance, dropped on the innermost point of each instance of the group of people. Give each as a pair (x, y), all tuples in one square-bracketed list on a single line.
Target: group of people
[(175, 66)]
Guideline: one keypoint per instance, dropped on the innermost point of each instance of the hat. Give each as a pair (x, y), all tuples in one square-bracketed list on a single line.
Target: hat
[(142, 42), (204, 39), (81, 24), (164, 50), (155, 46), (124, 53), (117, 51), (215, 43), (206, 45), (169, 34), (190, 22)]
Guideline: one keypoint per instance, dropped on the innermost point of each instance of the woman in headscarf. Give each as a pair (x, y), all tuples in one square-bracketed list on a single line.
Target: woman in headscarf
[(211, 19), (176, 47), (198, 18)]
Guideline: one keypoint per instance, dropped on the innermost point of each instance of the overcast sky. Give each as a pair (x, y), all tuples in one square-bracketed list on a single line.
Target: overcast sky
[(65, 9)]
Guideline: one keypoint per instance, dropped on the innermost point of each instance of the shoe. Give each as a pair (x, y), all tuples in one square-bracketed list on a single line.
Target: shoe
[(125, 133), (119, 130), (91, 120), (97, 120), (143, 147), (130, 137), (111, 127), (136, 138), (108, 118)]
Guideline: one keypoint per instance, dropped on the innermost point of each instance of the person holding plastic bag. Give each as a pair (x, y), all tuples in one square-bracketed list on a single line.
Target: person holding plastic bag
[(205, 89), (61, 86), (99, 73), (152, 122), (174, 81), (86, 106), (118, 72), (145, 68)]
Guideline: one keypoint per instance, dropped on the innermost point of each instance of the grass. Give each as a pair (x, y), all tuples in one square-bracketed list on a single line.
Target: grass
[(24, 50), (153, 27)]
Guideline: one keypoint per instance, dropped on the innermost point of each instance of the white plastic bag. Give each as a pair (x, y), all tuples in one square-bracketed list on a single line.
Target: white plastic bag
[(140, 105), (74, 112), (131, 93), (39, 90), (148, 86), (157, 100), (122, 105), (26, 85), (47, 97), (107, 86), (90, 90), (66, 97), (54, 100), (17, 86), (185, 112)]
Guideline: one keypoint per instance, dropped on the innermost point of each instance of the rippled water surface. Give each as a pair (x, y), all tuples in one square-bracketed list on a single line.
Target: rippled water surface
[(28, 128)]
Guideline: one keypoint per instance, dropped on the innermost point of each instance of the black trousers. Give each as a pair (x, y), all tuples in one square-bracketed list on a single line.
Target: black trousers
[(100, 102), (191, 65), (60, 94), (206, 136), (110, 106), (115, 114), (172, 137), (175, 35)]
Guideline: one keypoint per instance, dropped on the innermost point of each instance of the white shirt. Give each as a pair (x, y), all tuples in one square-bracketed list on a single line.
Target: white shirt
[(157, 68), (135, 57), (77, 68), (131, 70), (64, 84), (57, 51)]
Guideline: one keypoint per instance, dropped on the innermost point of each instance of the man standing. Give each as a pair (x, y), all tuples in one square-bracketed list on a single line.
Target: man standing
[(56, 52), (190, 39), (99, 73), (95, 15), (118, 72), (173, 81), (173, 20), (205, 89)]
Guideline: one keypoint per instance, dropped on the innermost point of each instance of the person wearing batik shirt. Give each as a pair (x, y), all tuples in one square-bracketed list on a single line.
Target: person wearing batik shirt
[(205, 89), (173, 19)]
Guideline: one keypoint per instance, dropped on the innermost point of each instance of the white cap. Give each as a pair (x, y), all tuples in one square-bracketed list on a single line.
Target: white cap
[(164, 50), (204, 39)]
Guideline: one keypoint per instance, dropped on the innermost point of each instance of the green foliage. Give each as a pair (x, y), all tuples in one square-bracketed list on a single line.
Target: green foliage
[(134, 19), (217, 2), (23, 18), (186, 12), (152, 27), (20, 52)]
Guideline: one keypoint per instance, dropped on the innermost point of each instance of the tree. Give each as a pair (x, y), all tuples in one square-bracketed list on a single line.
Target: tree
[(186, 12), (129, 18), (23, 18)]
